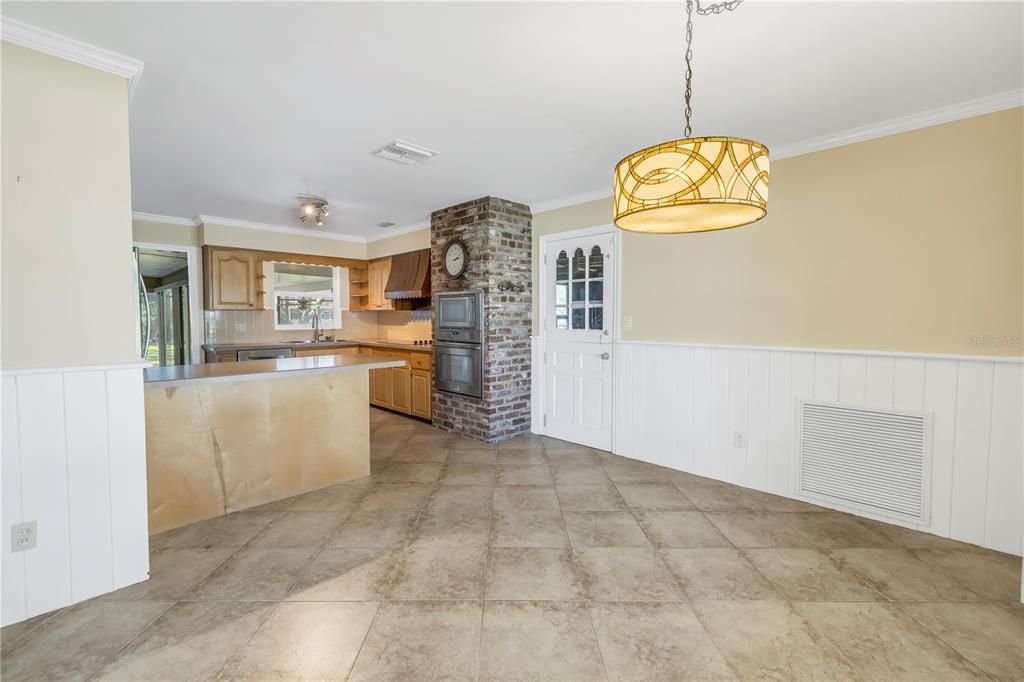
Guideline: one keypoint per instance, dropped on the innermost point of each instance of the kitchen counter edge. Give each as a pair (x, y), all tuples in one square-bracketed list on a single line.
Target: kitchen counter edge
[(257, 370)]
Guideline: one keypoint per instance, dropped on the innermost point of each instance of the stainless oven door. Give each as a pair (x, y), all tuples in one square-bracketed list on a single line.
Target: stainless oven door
[(459, 368)]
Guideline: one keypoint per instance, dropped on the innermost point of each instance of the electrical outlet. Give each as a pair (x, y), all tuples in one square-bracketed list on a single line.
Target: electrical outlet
[(240, 327), (739, 439), (627, 323), (23, 536)]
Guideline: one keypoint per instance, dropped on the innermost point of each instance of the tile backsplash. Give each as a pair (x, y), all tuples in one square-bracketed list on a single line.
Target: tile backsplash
[(242, 326)]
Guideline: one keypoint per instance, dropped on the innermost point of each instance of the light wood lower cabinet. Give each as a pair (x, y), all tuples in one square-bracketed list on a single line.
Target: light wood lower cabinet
[(312, 352), (402, 389)]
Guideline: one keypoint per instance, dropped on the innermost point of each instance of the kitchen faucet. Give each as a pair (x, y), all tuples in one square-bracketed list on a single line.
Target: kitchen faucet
[(317, 332)]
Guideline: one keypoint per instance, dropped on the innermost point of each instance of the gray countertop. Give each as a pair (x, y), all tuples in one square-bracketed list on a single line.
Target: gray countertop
[(326, 345), (252, 370)]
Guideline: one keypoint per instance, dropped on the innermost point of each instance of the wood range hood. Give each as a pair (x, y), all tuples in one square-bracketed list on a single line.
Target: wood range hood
[(410, 276)]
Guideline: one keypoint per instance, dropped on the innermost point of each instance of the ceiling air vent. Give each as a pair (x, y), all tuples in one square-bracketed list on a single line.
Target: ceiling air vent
[(405, 152), (386, 223)]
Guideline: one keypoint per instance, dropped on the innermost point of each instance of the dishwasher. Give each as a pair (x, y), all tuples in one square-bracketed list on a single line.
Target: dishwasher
[(265, 354)]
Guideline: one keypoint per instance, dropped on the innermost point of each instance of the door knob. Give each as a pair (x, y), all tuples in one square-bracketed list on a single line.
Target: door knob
[(605, 356)]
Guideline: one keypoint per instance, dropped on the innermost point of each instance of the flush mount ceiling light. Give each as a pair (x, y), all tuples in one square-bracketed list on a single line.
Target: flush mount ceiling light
[(695, 184), (312, 209)]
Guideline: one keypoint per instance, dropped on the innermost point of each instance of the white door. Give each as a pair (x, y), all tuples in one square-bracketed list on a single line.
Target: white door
[(578, 316)]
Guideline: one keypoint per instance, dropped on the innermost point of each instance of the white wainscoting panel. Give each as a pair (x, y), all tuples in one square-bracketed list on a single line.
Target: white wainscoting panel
[(678, 405), (74, 461)]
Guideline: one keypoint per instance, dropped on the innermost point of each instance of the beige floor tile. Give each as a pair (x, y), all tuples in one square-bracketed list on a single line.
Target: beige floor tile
[(627, 471), (717, 573), (680, 529), (720, 497), (299, 529), (409, 472), (768, 640), (538, 640), (527, 529), (655, 641), (468, 473), (472, 456), (654, 497), (514, 458), (77, 641), (579, 456), (990, 574), (385, 528), (407, 496), (885, 645), (900, 576), (531, 573), (160, 539), (910, 538), (232, 530), (173, 572), (756, 529), (452, 528), (304, 641), (339, 498), (421, 641), (420, 455), (192, 641), (460, 444), (987, 635), (575, 473), (431, 440), (525, 442), (590, 498), (777, 503), (10, 634), (254, 574), (523, 474), (604, 529), (443, 573), (834, 530), (342, 574), (525, 498), (624, 574), (809, 575), (447, 497)]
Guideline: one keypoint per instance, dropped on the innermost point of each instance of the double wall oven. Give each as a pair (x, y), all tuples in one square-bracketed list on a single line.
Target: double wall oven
[(458, 343)]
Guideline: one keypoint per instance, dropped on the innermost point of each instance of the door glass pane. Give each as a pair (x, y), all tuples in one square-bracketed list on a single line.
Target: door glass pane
[(579, 292), (596, 291), (596, 317), (579, 265), (561, 293), (579, 318), (168, 335), (596, 262), (562, 267), (561, 317)]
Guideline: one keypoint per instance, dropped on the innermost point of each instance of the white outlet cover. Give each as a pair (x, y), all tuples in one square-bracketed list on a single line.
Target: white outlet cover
[(23, 536), (239, 327), (739, 439)]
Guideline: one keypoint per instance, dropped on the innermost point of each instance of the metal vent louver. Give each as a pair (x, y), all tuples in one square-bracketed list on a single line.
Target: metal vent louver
[(405, 152), (876, 461)]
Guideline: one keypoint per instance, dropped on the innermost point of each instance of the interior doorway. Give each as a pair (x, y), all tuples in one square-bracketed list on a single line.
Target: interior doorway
[(168, 315)]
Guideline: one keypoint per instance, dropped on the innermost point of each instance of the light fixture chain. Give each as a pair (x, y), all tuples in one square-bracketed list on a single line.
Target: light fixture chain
[(718, 7), (689, 68)]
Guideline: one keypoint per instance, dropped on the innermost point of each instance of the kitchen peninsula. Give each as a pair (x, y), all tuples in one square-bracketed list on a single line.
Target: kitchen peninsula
[(223, 437)]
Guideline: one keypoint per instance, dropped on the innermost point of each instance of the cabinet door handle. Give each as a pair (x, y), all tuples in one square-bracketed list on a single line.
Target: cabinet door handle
[(605, 356)]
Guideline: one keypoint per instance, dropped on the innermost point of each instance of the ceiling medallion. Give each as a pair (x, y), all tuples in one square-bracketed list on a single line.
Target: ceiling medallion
[(696, 184), (312, 209)]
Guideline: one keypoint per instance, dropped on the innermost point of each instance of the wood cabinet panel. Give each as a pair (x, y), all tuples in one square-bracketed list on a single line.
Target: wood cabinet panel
[(378, 272), (311, 352), (380, 387), (420, 361), (400, 389), (420, 389), (229, 278)]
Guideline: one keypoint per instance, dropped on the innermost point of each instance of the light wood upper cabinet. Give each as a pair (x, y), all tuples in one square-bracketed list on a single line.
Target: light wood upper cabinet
[(229, 279), (378, 272)]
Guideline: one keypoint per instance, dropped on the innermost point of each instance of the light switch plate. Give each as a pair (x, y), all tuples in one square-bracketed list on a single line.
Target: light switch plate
[(739, 439), (23, 536)]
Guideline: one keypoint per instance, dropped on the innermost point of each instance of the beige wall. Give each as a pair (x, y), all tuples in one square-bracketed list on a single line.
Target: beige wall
[(414, 241), (67, 232), (910, 243), (151, 232)]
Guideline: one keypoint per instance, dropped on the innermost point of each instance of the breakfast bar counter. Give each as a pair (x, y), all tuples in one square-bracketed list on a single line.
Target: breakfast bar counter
[(230, 436)]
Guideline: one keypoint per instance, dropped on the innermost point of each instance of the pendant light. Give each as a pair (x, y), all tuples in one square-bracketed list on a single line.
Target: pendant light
[(696, 184)]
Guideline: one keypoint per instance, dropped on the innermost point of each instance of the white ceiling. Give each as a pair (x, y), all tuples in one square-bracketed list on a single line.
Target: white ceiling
[(244, 105)]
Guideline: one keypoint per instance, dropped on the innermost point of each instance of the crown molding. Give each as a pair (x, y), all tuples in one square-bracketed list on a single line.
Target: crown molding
[(245, 224), (572, 200), (903, 124), (165, 219), (48, 42)]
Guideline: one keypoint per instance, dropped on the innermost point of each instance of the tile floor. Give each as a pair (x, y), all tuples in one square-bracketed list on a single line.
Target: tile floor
[(537, 559)]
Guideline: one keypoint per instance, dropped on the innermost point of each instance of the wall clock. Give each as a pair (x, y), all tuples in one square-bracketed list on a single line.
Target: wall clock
[(455, 258)]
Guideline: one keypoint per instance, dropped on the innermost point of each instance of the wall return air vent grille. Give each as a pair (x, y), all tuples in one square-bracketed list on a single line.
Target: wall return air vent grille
[(875, 461), (401, 151)]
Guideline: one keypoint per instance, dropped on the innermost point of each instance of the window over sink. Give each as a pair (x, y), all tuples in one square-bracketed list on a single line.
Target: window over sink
[(300, 292)]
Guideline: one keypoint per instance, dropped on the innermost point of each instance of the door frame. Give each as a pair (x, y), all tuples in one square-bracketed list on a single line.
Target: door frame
[(538, 396), (196, 318)]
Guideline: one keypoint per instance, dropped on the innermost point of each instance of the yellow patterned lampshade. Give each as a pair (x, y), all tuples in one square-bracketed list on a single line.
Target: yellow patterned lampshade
[(692, 185)]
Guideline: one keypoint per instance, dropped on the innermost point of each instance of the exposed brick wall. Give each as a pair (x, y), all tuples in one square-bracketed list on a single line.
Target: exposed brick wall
[(498, 236)]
